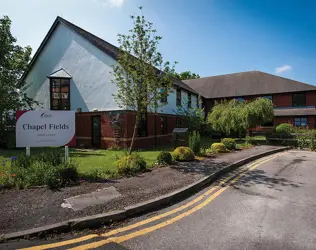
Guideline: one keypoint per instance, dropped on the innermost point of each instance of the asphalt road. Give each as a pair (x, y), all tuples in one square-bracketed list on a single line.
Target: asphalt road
[(272, 206)]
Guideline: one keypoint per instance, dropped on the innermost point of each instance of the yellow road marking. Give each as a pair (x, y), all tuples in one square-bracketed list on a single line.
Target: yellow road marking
[(170, 221)]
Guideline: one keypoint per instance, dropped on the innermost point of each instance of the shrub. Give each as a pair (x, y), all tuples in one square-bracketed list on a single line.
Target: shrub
[(183, 154), (229, 143), (307, 140), (284, 130), (195, 142), (251, 140), (131, 164), (164, 158), (40, 170), (218, 148)]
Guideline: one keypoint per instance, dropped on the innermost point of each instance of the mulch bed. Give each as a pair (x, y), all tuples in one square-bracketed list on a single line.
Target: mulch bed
[(25, 209)]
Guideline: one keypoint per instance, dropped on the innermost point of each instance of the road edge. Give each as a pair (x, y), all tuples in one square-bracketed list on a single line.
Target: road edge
[(133, 210)]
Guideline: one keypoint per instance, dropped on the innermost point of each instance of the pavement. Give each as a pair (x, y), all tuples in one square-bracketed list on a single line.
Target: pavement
[(268, 204)]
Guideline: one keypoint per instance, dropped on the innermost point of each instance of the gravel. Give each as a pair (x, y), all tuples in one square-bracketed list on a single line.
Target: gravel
[(25, 209)]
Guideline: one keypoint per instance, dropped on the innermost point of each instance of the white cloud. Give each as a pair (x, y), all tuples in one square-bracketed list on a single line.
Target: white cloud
[(110, 3), (282, 69)]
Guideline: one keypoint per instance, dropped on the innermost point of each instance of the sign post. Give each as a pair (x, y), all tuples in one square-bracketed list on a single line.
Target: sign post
[(66, 154), (28, 151), (45, 129)]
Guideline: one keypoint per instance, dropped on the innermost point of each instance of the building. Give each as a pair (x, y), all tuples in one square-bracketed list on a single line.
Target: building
[(72, 71), (295, 102)]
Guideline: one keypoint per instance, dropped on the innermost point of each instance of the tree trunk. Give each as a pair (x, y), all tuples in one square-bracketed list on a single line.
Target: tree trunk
[(132, 142)]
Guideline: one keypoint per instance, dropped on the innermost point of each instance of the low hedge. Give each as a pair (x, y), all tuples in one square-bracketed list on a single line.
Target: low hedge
[(229, 143), (130, 165), (183, 154), (218, 148)]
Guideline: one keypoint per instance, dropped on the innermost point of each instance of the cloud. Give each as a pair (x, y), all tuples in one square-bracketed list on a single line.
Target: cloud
[(110, 3), (282, 69)]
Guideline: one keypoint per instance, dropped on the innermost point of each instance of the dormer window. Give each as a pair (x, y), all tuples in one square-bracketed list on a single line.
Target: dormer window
[(60, 90)]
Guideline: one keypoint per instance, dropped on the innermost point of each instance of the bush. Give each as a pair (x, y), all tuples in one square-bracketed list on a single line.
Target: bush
[(195, 142), (130, 165), (229, 143), (252, 140), (183, 154), (284, 130), (218, 148), (307, 140), (40, 170), (164, 158)]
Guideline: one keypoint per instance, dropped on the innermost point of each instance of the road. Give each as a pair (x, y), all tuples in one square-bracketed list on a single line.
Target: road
[(268, 204)]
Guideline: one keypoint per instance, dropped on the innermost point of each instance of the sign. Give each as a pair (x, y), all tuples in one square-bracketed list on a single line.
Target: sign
[(45, 128)]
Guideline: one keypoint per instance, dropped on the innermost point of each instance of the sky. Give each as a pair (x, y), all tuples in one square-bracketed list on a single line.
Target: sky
[(208, 37)]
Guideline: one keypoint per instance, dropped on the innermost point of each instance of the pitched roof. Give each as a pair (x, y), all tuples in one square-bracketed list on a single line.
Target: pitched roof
[(61, 73), (245, 84), (104, 46), (295, 111)]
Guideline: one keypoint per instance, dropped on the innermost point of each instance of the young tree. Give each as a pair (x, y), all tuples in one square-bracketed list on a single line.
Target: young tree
[(194, 116), (14, 60), (142, 77), (186, 75), (237, 116)]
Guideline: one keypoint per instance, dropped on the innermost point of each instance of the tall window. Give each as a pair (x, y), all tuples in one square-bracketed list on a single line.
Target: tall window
[(189, 101), (299, 100), (142, 126), (300, 122), (163, 125), (59, 94), (178, 97)]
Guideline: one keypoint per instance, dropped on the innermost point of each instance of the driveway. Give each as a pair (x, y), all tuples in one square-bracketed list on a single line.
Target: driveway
[(269, 204)]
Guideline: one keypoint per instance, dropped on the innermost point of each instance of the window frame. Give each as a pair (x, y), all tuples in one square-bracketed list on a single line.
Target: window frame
[(60, 105), (300, 121), (189, 100), (300, 93), (178, 97)]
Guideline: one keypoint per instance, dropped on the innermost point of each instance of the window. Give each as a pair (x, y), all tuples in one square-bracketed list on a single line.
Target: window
[(178, 97), (142, 126), (164, 95), (241, 99), (163, 125), (267, 124), (299, 100), (269, 97), (189, 101), (300, 122), (59, 94)]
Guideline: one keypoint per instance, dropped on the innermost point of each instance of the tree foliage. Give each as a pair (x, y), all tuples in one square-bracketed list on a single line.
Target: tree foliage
[(186, 75), (194, 117), (142, 76), (235, 116), (14, 60)]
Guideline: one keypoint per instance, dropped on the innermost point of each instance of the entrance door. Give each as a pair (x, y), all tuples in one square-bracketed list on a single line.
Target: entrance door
[(96, 131)]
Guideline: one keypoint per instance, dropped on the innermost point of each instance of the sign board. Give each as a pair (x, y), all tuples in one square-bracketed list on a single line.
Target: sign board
[(45, 128)]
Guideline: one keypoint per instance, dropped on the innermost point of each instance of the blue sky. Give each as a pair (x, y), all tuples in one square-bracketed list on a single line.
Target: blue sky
[(208, 37)]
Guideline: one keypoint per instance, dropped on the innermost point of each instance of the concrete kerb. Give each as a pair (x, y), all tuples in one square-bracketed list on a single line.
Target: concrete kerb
[(140, 208)]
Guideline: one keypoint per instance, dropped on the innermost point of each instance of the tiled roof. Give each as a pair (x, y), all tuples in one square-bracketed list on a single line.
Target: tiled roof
[(295, 111), (245, 84)]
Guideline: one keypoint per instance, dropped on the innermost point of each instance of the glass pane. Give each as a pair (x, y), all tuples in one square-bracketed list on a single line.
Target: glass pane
[(64, 95), (56, 96)]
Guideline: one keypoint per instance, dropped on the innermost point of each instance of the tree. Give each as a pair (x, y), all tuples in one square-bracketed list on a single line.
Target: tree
[(14, 60), (194, 116), (142, 77), (237, 116), (186, 75)]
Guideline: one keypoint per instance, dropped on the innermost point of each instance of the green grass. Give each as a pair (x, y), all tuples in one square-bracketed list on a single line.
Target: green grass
[(87, 159)]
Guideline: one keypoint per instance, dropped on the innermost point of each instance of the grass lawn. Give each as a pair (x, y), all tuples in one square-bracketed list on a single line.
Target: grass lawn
[(87, 159)]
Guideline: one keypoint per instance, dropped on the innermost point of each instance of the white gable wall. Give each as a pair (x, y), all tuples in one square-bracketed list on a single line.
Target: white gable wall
[(91, 86)]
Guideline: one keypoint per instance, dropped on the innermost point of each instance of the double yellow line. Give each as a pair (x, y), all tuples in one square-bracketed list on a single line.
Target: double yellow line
[(221, 187)]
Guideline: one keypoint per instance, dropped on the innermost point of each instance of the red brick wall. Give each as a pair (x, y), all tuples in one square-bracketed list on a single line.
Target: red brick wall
[(84, 130), (311, 99), (282, 100)]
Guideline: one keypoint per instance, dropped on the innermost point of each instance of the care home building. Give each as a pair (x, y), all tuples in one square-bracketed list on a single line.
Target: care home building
[(72, 70), (294, 102)]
